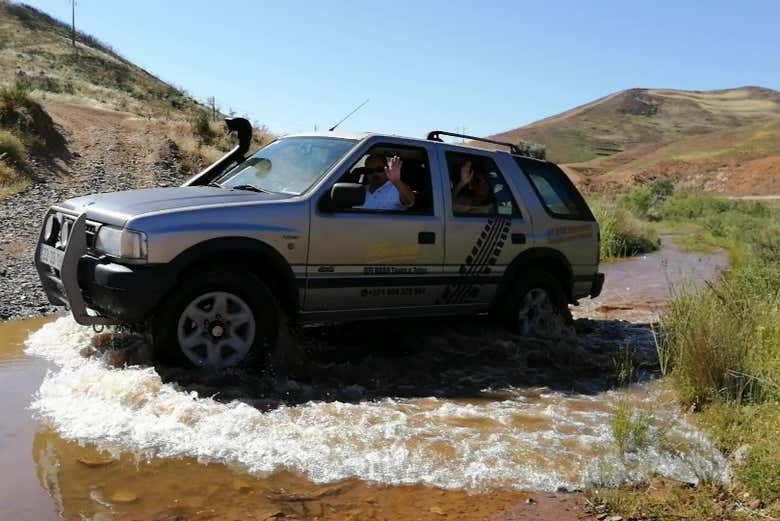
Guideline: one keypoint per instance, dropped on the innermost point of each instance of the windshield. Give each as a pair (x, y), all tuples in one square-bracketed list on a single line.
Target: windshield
[(289, 165)]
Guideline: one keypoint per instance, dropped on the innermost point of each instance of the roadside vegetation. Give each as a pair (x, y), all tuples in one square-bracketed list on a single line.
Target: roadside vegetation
[(720, 346), (16, 133)]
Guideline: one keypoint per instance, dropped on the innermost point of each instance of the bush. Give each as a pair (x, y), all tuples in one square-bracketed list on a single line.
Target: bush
[(7, 174), (661, 189), (630, 428), (622, 235), (531, 149), (705, 337), (13, 98), (684, 206), (646, 201), (724, 342), (639, 201), (12, 151), (201, 128)]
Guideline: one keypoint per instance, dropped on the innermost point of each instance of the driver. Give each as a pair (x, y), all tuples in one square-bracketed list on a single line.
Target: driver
[(384, 188)]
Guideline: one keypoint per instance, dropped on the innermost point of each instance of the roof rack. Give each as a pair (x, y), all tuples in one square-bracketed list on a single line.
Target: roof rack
[(434, 135)]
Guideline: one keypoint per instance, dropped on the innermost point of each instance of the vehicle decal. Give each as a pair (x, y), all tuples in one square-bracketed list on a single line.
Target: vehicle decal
[(390, 253), (394, 270), (476, 269), (570, 233), (393, 292), (329, 282)]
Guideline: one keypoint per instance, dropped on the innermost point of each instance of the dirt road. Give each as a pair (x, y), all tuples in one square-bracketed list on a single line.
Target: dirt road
[(103, 154)]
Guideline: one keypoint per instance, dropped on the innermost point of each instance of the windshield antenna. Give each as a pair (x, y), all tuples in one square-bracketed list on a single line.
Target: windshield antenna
[(331, 129)]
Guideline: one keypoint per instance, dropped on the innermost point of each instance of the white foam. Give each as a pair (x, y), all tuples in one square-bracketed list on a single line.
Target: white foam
[(540, 441)]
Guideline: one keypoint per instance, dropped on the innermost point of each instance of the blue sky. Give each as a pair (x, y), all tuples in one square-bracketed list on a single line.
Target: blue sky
[(479, 67)]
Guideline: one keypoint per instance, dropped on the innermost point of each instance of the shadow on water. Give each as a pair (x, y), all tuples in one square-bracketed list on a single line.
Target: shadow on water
[(449, 358)]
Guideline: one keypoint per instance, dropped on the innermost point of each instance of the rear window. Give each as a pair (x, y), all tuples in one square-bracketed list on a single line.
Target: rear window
[(557, 193)]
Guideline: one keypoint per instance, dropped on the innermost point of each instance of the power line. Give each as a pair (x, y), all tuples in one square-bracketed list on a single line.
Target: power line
[(73, 22)]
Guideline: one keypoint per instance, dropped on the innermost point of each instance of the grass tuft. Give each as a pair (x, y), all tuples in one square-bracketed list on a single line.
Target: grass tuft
[(12, 150), (622, 234), (631, 428), (13, 98)]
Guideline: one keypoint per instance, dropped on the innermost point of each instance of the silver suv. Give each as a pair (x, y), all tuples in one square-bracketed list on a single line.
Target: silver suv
[(212, 267)]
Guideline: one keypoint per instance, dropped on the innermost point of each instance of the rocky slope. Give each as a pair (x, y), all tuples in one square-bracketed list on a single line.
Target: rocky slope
[(105, 153)]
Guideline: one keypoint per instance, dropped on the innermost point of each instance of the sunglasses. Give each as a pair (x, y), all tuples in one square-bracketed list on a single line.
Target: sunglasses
[(375, 170)]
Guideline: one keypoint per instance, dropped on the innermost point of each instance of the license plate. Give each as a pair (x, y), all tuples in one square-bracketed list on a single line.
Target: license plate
[(51, 256)]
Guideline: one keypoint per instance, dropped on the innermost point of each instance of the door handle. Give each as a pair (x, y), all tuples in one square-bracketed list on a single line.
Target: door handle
[(426, 238)]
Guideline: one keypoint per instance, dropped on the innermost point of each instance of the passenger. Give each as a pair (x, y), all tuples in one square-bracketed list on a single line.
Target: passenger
[(472, 192), (384, 188)]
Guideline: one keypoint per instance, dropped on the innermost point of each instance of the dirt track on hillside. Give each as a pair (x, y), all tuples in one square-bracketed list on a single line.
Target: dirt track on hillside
[(103, 154)]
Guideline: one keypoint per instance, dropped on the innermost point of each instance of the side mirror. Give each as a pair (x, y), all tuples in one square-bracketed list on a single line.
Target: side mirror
[(347, 195)]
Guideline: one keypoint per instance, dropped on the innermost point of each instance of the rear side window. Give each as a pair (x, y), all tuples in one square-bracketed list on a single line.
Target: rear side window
[(557, 193), (478, 187)]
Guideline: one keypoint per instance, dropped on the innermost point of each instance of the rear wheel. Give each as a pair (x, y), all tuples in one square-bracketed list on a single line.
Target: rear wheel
[(222, 319), (537, 307)]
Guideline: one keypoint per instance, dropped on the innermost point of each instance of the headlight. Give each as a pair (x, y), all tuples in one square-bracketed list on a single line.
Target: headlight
[(119, 242), (51, 229)]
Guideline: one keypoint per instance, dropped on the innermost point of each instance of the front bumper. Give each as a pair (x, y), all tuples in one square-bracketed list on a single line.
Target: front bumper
[(114, 293)]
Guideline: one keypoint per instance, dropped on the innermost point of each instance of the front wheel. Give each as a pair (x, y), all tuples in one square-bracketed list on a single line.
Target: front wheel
[(221, 319)]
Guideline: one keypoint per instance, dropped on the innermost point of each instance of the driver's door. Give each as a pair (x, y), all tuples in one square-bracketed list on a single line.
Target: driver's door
[(370, 259)]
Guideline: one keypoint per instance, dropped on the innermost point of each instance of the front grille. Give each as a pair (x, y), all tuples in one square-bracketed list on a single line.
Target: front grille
[(91, 232), (67, 221)]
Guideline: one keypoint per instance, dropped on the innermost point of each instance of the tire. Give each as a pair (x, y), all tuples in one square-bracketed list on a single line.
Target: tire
[(536, 306), (221, 319)]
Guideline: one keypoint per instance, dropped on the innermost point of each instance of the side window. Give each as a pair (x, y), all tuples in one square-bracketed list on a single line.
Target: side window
[(554, 189), (478, 187), (412, 193)]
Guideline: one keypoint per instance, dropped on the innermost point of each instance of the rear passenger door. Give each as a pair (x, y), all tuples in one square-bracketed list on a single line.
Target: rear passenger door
[(486, 225)]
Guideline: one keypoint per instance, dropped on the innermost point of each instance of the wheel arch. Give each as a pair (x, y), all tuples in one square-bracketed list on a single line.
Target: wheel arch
[(259, 258), (546, 259)]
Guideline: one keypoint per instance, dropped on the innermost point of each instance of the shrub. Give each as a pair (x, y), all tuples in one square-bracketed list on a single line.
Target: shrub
[(622, 235), (12, 150), (531, 149), (630, 428), (661, 189), (639, 201), (705, 336), (201, 128), (7, 174), (13, 98), (695, 205), (724, 342), (646, 201)]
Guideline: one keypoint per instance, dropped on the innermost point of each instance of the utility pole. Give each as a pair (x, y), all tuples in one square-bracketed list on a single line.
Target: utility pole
[(73, 22)]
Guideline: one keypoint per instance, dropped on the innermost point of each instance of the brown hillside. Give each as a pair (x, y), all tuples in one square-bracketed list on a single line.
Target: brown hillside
[(36, 49), (41, 70), (726, 140)]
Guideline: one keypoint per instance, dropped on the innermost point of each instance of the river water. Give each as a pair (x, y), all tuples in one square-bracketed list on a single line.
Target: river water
[(437, 418)]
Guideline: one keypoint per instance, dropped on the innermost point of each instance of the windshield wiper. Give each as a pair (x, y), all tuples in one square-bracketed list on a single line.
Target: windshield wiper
[(214, 184), (251, 188)]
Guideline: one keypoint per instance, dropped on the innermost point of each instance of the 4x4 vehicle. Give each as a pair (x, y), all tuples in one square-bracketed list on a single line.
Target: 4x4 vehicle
[(211, 267)]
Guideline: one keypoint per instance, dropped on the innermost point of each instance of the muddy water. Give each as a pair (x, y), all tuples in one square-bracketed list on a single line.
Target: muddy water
[(21, 497), (638, 288), (421, 425)]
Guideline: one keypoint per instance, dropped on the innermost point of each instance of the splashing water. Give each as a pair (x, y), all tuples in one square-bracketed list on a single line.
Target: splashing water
[(509, 438)]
